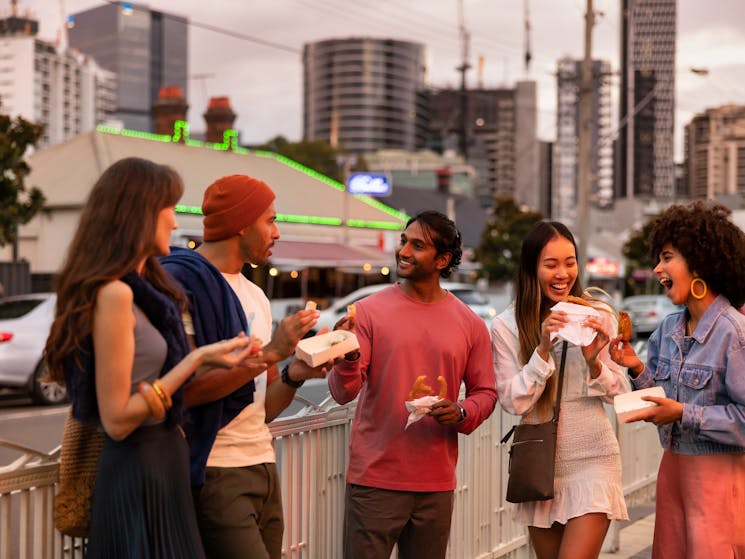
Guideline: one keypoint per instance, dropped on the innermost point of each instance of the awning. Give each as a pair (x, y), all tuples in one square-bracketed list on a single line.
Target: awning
[(293, 254)]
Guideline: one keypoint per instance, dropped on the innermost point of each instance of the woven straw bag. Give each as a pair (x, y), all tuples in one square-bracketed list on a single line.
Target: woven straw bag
[(81, 448)]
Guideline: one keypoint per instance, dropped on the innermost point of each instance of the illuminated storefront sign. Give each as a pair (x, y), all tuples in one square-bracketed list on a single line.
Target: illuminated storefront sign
[(371, 184)]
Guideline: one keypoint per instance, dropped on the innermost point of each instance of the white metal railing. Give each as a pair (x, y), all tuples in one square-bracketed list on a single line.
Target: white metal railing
[(312, 450), (27, 487)]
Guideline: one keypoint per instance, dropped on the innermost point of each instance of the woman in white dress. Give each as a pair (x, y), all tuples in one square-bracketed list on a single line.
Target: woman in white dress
[(588, 493)]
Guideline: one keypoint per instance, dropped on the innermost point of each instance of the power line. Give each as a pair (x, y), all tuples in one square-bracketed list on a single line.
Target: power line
[(222, 31)]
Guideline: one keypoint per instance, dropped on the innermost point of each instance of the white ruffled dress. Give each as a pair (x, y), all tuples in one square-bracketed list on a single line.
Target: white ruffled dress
[(588, 461)]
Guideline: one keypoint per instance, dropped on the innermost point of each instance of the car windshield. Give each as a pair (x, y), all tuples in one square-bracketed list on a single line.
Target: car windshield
[(470, 297), (641, 305), (17, 308)]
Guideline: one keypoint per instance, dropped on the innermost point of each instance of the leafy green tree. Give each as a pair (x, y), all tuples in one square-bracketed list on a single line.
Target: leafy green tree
[(316, 154), (18, 205), (636, 249), (499, 249)]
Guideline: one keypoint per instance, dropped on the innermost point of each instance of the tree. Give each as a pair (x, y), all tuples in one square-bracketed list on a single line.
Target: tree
[(636, 251), (499, 249), (18, 205), (316, 154)]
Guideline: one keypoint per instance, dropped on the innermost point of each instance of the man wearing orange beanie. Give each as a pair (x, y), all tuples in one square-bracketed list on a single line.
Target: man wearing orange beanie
[(239, 506)]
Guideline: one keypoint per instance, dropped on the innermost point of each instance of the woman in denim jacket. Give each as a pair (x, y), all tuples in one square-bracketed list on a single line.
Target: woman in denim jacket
[(698, 357)]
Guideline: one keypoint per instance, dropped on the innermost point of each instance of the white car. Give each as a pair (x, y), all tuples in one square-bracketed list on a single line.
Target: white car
[(25, 321), (647, 311), (463, 291)]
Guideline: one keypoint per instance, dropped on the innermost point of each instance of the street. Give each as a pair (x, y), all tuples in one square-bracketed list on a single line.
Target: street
[(37, 427)]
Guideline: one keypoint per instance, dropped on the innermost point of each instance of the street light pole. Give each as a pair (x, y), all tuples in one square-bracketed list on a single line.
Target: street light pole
[(584, 161)]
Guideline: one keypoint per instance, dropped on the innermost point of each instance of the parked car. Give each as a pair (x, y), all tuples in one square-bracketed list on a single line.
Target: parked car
[(25, 321), (466, 292), (647, 311)]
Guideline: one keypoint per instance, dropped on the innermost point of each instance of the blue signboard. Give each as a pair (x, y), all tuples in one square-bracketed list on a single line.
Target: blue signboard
[(372, 184)]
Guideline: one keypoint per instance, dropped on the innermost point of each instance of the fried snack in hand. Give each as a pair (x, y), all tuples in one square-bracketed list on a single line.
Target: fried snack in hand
[(576, 300), (443, 387), (351, 311), (420, 389), (625, 329)]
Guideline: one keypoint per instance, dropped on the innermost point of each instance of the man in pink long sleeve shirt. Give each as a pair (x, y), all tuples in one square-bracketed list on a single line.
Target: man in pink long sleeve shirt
[(400, 481)]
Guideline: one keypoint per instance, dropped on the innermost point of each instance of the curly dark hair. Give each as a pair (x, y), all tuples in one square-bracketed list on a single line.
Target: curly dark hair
[(443, 233), (712, 245)]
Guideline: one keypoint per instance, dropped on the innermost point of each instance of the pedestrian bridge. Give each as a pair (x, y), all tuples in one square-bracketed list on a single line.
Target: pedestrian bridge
[(312, 450)]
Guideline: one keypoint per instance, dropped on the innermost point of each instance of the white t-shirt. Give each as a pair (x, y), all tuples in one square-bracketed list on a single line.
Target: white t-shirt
[(246, 440)]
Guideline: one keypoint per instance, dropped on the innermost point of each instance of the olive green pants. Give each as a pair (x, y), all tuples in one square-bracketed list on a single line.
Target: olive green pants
[(239, 511)]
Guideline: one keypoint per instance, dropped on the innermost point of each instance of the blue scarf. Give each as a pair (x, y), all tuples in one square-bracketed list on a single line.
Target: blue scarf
[(216, 314), (165, 316)]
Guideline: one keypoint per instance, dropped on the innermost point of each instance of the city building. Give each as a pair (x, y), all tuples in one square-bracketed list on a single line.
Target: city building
[(566, 148), (330, 240), (545, 174), (644, 160), (365, 94), (63, 90), (145, 48), (714, 164), (501, 141)]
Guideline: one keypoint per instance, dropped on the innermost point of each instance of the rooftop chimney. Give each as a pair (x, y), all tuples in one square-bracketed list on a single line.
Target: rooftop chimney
[(219, 118), (168, 108)]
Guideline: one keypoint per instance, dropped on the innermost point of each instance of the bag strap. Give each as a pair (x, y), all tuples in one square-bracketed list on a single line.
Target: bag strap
[(561, 380), (558, 394)]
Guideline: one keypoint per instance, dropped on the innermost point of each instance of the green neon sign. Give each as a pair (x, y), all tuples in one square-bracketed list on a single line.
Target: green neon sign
[(230, 143)]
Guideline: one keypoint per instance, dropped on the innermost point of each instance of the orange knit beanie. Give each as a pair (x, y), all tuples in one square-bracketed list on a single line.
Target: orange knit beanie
[(232, 203)]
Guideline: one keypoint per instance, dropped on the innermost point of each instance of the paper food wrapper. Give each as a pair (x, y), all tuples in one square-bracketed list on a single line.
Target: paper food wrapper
[(574, 332), (418, 408)]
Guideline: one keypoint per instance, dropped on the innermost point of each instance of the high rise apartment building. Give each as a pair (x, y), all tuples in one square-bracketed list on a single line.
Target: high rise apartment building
[(63, 90), (564, 197), (365, 94), (715, 153), (146, 49), (500, 128), (645, 166)]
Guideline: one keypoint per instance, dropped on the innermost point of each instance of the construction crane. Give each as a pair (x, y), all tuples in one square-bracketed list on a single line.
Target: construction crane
[(465, 39)]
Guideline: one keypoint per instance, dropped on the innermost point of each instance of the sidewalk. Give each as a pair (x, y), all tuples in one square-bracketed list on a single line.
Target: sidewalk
[(636, 535)]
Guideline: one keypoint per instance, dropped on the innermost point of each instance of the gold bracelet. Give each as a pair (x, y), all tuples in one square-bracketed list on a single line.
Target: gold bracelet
[(162, 394), (154, 404)]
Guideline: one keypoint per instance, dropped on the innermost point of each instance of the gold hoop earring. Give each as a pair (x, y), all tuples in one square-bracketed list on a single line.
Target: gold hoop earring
[(699, 296)]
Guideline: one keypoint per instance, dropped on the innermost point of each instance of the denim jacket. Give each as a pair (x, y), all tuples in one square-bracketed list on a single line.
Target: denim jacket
[(706, 372)]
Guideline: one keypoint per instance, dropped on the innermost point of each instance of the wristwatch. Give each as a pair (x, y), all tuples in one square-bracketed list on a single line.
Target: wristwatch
[(463, 413), (285, 376)]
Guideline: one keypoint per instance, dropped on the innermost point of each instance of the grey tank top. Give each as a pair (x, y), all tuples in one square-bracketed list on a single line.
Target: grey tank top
[(150, 352)]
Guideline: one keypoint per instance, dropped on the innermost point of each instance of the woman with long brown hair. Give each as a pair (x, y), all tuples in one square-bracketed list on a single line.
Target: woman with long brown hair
[(587, 485), (118, 343)]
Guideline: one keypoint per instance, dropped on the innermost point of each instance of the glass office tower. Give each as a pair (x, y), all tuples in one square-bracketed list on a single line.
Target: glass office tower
[(145, 48)]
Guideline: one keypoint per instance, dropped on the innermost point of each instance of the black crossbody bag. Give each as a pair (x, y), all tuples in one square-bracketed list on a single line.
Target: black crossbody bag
[(533, 452)]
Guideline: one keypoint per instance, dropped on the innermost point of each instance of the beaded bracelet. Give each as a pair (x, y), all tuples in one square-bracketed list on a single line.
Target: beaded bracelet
[(154, 403), (162, 394)]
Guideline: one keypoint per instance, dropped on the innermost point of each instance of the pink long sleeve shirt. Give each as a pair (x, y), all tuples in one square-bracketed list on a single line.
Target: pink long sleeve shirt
[(401, 339)]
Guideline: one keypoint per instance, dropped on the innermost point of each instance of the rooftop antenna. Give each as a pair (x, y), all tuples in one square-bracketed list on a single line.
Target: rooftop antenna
[(528, 55), (463, 68), (62, 30)]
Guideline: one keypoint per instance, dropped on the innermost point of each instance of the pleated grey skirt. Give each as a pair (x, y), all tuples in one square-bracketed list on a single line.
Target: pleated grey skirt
[(142, 503)]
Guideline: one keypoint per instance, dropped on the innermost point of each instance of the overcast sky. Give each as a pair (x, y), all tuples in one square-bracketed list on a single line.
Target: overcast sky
[(265, 83)]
